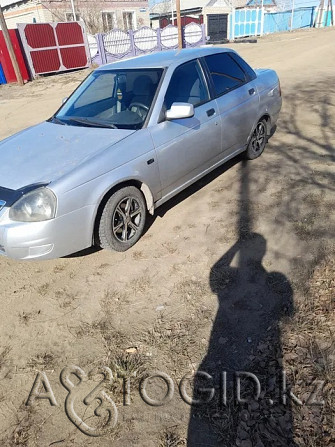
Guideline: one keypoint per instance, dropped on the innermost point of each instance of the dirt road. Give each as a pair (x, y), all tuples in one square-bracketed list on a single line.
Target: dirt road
[(158, 299)]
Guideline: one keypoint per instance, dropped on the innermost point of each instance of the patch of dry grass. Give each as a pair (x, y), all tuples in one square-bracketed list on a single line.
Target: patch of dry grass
[(21, 436), (128, 364), (138, 255), (141, 284), (305, 227), (59, 268), (171, 438), (170, 247), (112, 297), (44, 289), (3, 356), (309, 356), (25, 317), (66, 298), (193, 289), (44, 361)]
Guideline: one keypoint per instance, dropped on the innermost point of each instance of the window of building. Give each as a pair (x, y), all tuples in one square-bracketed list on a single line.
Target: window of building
[(109, 21), (69, 17), (128, 20)]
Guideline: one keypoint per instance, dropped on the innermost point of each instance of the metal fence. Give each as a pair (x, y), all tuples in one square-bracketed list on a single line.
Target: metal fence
[(118, 44), (255, 22), (54, 47)]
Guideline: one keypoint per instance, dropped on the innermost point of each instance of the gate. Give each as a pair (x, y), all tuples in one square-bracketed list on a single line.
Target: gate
[(248, 22), (217, 27), (55, 47)]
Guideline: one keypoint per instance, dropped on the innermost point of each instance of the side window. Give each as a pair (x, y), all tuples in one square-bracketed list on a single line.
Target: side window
[(246, 67), (187, 84), (225, 72)]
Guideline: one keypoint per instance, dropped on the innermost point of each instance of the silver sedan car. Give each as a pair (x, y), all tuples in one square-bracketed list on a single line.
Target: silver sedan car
[(134, 134)]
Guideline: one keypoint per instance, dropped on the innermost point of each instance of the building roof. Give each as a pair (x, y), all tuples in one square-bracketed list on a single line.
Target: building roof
[(163, 59), (5, 3), (164, 7), (259, 3), (224, 3)]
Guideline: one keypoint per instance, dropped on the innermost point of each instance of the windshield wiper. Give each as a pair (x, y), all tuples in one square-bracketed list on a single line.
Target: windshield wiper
[(56, 120), (90, 123)]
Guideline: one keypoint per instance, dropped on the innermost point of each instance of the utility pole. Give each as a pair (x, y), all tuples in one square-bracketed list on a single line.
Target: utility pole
[(327, 13), (262, 18), (292, 15), (330, 10), (180, 34), (319, 15), (73, 10), (331, 13), (10, 48), (172, 13)]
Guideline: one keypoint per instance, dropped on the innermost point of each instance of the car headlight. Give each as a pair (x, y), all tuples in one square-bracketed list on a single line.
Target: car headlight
[(35, 206)]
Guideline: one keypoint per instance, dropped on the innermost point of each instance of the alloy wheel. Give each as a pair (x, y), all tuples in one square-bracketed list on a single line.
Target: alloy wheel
[(126, 219)]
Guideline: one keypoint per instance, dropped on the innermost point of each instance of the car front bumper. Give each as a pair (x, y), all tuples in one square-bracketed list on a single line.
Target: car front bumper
[(51, 239)]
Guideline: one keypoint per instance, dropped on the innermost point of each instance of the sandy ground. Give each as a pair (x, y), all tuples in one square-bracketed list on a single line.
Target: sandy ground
[(157, 297)]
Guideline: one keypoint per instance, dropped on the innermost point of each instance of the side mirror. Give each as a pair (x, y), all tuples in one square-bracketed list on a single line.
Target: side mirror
[(64, 100), (180, 110)]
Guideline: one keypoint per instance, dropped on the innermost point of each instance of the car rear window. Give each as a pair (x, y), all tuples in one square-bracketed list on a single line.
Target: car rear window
[(225, 72), (246, 67)]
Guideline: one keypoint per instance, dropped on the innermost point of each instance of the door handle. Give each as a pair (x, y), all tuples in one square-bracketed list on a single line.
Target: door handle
[(252, 91), (210, 112)]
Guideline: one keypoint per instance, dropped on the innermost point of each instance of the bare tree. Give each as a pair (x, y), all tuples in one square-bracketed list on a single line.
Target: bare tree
[(93, 19)]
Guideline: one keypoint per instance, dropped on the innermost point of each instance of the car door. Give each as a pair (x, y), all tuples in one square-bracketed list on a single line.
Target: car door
[(187, 147), (236, 93)]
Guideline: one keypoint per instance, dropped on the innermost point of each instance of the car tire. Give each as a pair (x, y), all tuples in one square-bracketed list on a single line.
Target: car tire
[(258, 141), (123, 219)]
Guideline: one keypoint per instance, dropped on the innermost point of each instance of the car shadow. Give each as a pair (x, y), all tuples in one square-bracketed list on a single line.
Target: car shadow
[(162, 210), (190, 191), (84, 253)]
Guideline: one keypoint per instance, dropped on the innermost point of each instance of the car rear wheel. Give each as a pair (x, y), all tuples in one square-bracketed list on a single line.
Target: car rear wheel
[(122, 220), (257, 141)]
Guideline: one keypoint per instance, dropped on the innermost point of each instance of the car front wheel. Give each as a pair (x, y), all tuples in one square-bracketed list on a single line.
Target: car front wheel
[(122, 220)]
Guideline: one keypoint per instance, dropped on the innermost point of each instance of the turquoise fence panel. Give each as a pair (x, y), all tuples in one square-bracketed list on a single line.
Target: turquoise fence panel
[(303, 17), (248, 22), (281, 21), (277, 21), (327, 18)]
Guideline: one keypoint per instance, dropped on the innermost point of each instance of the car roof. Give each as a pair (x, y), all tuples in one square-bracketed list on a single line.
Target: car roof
[(163, 59)]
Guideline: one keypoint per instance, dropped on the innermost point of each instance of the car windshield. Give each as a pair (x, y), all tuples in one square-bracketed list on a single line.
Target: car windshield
[(116, 99)]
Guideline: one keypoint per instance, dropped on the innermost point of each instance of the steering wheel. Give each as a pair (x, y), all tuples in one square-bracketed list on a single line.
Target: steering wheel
[(139, 106)]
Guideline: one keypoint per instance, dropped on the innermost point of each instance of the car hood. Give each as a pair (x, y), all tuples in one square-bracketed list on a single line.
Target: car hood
[(46, 152)]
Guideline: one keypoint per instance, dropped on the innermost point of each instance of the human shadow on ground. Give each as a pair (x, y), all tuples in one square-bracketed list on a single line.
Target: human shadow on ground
[(244, 348)]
